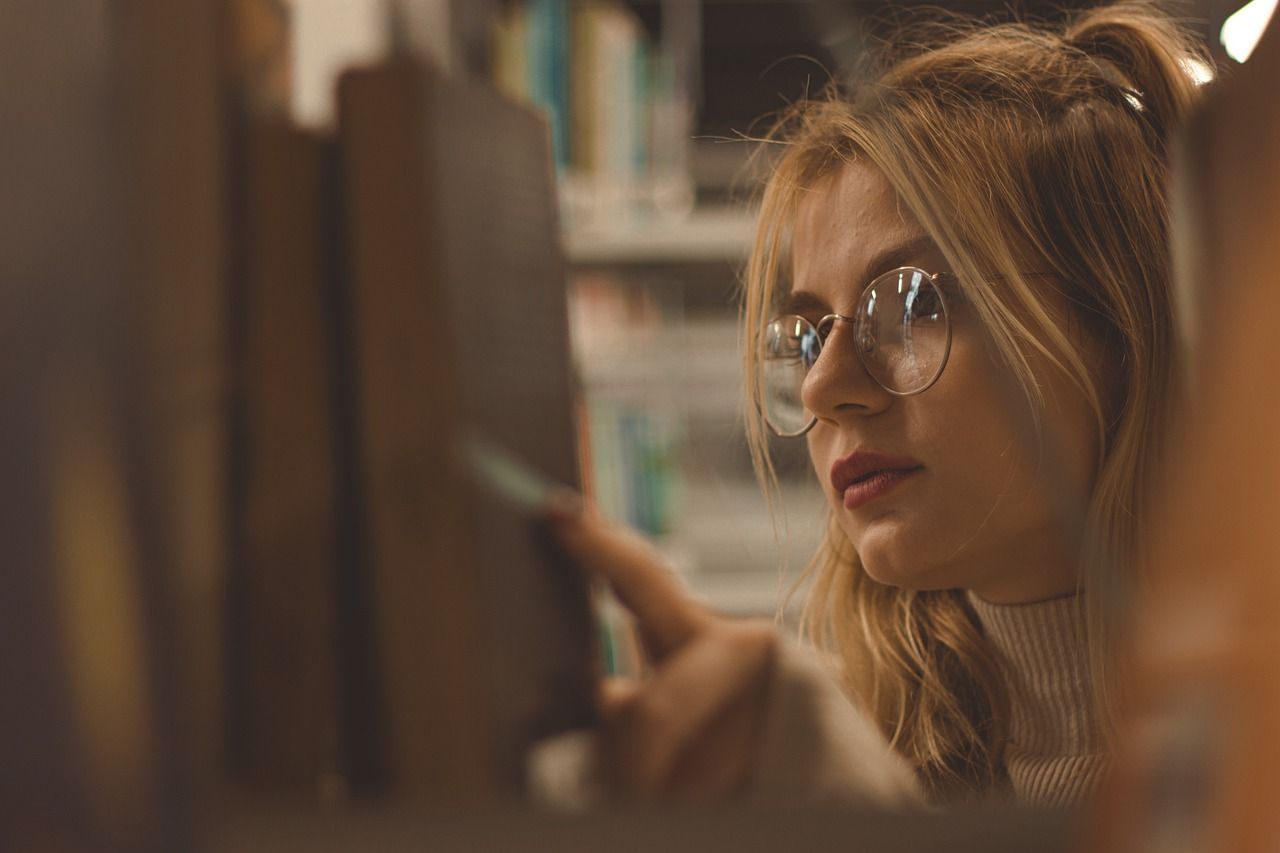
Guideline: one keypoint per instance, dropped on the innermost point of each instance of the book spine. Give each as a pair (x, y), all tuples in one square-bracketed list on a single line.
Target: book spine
[(285, 695), (547, 41), (510, 54)]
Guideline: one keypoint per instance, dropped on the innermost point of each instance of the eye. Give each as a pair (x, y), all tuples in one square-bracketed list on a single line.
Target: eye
[(924, 300)]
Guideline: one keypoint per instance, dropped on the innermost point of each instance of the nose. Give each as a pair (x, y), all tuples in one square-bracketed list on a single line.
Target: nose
[(838, 386)]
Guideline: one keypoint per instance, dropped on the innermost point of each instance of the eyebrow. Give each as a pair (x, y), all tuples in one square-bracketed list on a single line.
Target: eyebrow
[(802, 301)]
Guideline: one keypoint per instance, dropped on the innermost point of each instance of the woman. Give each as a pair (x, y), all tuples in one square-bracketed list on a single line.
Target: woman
[(959, 295)]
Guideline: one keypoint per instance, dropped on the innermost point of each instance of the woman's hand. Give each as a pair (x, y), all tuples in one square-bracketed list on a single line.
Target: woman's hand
[(689, 729)]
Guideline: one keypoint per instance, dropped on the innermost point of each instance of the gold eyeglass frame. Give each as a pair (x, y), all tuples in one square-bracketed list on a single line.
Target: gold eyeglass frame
[(829, 322)]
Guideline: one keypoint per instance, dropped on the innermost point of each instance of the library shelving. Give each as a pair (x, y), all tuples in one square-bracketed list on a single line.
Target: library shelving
[(707, 234), (656, 233), (662, 383)]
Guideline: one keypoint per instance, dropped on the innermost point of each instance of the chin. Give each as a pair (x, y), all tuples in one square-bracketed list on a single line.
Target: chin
[(902, 577), (899, 543), (887, 556)]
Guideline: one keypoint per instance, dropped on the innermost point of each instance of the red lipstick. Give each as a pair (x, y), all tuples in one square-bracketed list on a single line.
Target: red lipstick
[(866, 475)]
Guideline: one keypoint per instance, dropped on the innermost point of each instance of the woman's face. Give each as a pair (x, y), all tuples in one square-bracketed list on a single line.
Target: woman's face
[(974, 497)]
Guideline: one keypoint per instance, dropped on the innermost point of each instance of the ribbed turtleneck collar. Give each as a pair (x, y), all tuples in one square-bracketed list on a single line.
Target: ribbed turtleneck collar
[(1055, 753)]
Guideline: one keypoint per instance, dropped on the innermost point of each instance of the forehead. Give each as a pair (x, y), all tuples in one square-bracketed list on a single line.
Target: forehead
[(842, 224)]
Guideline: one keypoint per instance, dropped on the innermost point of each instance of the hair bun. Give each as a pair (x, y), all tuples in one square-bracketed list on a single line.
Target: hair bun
[(1144, 53)]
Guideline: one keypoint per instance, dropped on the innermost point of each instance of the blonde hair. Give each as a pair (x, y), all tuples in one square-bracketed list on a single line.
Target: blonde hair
[(1018, 148)]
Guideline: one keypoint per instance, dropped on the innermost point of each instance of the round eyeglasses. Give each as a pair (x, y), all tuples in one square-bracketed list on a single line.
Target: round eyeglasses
[(901, 333)]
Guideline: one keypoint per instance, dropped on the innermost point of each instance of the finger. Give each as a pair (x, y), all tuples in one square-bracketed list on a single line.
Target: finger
[(650, 737), (639, 576), (616, 694), (625, 638)]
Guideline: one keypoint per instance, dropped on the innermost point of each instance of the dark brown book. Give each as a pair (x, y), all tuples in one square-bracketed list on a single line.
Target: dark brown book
[(110, 250), (174, 182), (284, 692), (459, 329)]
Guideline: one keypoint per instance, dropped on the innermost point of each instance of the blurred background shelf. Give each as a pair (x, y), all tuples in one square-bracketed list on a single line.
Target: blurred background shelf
[(719, 233), (648, 106), (730, 553)]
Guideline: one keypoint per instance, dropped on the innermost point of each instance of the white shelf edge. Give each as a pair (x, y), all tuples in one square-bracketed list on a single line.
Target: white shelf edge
[(706, 235)]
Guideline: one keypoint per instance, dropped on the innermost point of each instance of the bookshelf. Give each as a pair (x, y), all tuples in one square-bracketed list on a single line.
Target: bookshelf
[(673, 374), (666, 355), (656, 239)]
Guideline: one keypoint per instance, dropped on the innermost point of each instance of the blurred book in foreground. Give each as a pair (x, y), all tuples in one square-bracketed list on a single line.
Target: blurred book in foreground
[(1199, 768)]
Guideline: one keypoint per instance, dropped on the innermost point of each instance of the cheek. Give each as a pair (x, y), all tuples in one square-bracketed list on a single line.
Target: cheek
[(1018, 471), (995, 483)]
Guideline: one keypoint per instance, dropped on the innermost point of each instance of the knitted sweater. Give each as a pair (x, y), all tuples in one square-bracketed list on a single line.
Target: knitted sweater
[(1055, 754), (817, 746)]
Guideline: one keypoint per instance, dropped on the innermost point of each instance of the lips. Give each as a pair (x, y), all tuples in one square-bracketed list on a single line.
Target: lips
[(866, 475)]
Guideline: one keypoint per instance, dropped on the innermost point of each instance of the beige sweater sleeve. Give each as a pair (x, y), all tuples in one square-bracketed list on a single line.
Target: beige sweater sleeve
[(817, 747)]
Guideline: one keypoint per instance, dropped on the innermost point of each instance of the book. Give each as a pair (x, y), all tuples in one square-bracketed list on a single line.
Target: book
[(547, 68), (509, 55), (176, 183), (283, 696), (112, 250), (1199, 751), (458, 328)]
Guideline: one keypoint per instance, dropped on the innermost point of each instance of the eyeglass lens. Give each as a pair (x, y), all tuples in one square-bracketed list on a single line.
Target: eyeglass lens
[(901, 336)]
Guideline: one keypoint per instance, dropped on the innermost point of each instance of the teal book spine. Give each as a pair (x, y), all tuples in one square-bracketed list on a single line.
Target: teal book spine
[(548, 58)]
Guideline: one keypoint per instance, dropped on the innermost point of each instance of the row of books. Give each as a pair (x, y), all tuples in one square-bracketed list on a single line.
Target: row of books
[(389, 608), (634, 474), (619, 114), (630, 439)]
